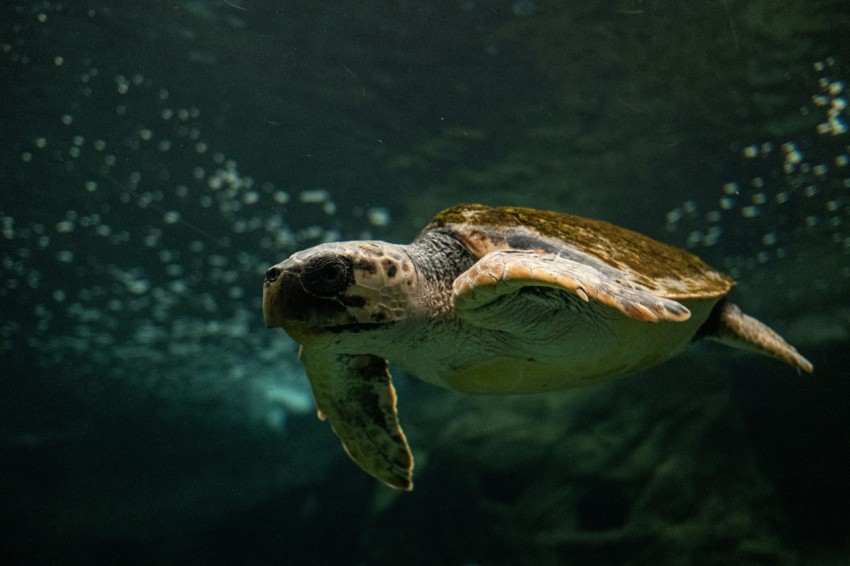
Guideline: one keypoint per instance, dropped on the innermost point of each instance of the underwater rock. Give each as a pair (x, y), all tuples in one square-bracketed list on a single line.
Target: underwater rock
[(645, 471)]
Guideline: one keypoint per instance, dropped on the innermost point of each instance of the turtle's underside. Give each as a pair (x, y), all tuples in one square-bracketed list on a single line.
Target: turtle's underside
[(495, 300)]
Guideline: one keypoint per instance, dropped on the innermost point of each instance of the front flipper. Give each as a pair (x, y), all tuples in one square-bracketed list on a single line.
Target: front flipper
[(506, 271), (356, 395)]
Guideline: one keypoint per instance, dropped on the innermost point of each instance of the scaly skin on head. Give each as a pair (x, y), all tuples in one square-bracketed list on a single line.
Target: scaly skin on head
[(330, 287), (352, 285)]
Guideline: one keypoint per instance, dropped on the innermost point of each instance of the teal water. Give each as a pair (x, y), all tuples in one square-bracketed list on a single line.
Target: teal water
[(157, 158)]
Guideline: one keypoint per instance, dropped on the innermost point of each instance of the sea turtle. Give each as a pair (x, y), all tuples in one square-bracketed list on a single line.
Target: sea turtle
[(492, 300)]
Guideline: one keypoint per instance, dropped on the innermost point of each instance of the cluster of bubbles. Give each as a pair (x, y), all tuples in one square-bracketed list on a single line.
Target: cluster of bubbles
[(130, 242), (796, 192)]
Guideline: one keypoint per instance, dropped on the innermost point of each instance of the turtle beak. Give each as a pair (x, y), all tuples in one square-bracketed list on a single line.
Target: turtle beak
[(278, 278), (284, 299), (287, 304)]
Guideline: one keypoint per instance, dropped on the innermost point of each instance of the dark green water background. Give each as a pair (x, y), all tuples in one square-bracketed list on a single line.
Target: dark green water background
[(156, 157)]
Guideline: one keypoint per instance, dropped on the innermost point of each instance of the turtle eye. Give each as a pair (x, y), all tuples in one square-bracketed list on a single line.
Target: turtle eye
[(326, 276)]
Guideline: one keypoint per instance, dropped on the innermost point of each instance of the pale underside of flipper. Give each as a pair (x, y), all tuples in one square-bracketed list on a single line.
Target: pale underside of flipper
[(507, 271), (355, 394), (729, 325)]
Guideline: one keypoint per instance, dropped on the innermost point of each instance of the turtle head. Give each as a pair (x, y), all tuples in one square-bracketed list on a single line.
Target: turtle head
[(338, 287)]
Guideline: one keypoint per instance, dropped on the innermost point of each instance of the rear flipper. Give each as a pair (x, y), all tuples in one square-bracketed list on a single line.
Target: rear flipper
[(729, 325)]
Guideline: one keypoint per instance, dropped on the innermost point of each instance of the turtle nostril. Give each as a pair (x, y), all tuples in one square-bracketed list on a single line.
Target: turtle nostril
[(272, 274)]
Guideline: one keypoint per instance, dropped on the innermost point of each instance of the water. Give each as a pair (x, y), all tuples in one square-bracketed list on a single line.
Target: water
[(156, 159)]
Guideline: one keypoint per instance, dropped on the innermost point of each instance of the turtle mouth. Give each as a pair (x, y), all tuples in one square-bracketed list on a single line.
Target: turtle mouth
[(313, 336), (356, 327)]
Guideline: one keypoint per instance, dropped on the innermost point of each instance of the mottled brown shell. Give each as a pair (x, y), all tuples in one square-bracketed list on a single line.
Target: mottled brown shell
[(666, 270)]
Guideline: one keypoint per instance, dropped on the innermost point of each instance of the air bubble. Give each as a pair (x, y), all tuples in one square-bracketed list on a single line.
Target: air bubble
[(672, 217), (749, 211), (313, 196), (694, 238), (64, 227), (121, 84), (750, 151), (380, 217), (731, 188)]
